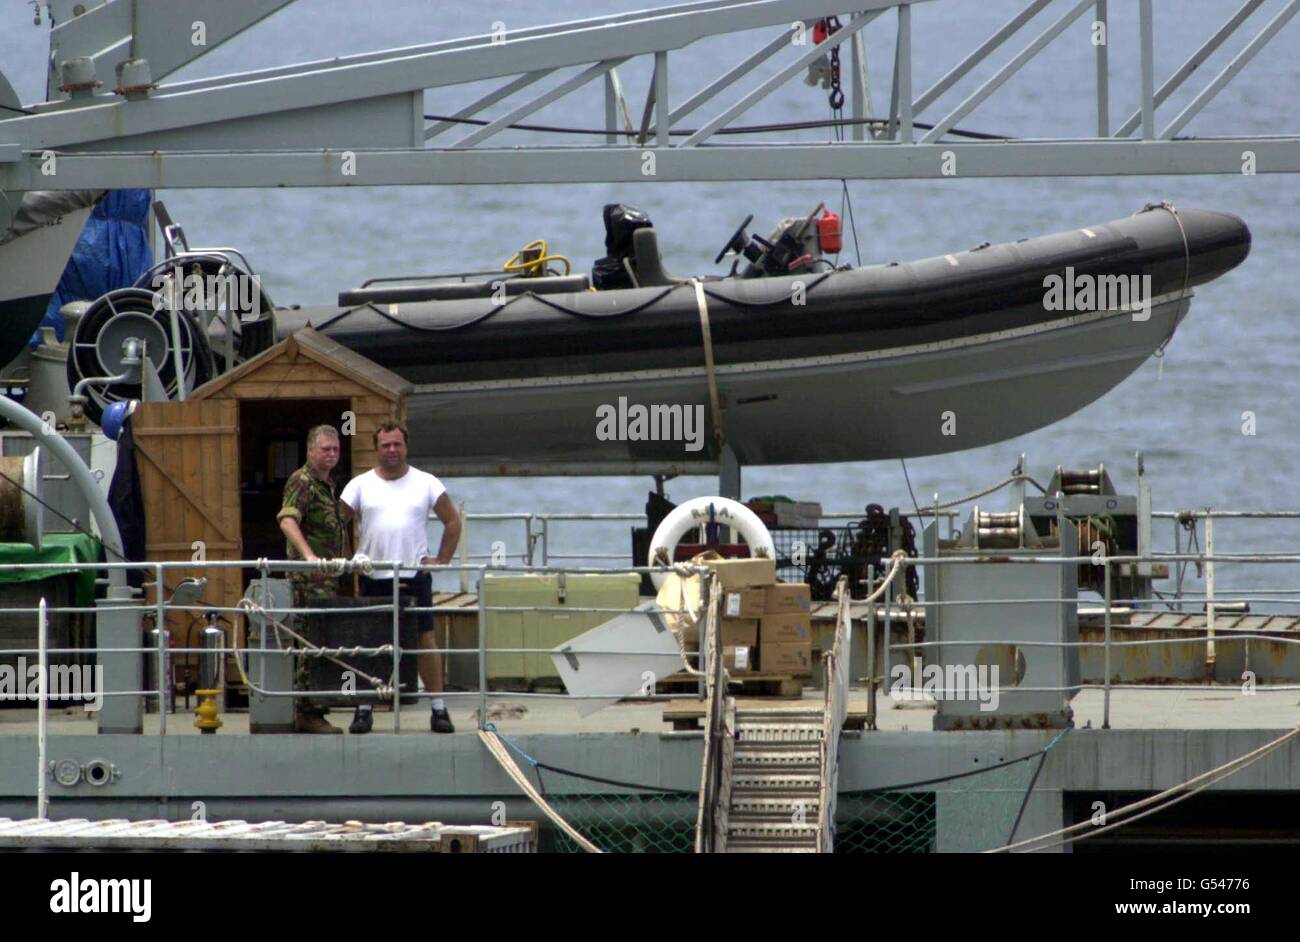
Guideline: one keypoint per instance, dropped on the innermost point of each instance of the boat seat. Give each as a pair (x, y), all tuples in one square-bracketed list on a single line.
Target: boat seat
[(649, 266)]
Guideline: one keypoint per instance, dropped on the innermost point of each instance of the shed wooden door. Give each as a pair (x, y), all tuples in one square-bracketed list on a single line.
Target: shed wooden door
[(188, 458)]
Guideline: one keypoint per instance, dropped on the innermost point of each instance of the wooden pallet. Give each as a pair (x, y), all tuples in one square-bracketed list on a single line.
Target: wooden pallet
[(785, 686), (749, 685)]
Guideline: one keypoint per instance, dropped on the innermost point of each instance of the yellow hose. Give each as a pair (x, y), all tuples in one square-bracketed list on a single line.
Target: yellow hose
[(536, 266)]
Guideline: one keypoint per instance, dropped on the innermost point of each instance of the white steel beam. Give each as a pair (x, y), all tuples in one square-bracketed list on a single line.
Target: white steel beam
[(541, 101), (729, 78), (408, 70), (165, 32), (600, 164), (1192, 64), (1004, 73), (1146, 56), (487, 101), (959, 71), (903, 74), (1230, 70), (780, 78), (1103, 70)]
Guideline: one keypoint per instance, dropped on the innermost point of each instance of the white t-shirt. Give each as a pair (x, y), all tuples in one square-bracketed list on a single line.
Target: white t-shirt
[(394, 515)]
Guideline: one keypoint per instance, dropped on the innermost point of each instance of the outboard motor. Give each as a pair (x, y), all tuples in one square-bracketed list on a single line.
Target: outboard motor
[(612, 271)]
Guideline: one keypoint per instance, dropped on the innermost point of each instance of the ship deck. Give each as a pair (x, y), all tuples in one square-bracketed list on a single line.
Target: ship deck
[(1214, 707)]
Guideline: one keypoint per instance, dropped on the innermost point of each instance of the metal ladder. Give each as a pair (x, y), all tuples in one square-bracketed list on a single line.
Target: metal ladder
[(769, 776), (776, 776)]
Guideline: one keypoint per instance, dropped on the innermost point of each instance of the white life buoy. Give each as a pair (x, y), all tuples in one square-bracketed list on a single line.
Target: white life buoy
[(691, 514)]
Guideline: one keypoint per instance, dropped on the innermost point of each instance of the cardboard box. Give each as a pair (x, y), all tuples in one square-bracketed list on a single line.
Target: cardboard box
[(744, 603), (785, 629), (743, 573), (785, 658), (739, 632), (738, 660), (787, 598)]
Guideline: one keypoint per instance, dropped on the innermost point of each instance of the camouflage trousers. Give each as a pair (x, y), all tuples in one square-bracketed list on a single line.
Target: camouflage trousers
[(306, 586)]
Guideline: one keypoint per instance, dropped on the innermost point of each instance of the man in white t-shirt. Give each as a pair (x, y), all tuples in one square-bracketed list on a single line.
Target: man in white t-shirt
[(392, 503)]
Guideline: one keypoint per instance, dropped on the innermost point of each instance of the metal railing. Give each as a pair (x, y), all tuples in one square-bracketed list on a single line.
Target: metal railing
[(1211, 634), (166, 654)]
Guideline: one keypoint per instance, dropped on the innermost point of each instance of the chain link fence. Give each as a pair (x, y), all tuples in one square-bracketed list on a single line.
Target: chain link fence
[(664, 822)]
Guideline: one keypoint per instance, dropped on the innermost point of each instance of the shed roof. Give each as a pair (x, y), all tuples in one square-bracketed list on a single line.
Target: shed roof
[(329, 353)]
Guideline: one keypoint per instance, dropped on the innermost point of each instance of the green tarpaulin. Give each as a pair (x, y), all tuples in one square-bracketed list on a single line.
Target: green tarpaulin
[(59, 549)]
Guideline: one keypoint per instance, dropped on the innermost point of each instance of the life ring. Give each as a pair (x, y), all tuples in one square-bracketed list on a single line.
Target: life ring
[(707, 510)]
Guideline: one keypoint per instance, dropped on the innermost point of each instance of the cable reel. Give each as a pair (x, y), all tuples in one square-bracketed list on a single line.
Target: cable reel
[(212, 291), (113, 334)]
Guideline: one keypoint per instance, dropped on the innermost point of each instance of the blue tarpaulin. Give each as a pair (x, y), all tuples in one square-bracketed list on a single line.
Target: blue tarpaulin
[(113, 252)]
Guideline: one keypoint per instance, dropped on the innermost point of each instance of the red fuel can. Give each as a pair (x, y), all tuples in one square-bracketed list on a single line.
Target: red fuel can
[(828, 233)]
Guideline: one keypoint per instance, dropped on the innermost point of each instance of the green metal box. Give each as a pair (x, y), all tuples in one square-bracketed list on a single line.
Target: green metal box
[(550, 620)]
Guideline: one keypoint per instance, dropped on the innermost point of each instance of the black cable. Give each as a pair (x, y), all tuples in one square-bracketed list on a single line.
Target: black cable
[(564, 309), (497, 309), (610, 781), (1025, 801), (915, 506), (953, 778), (780, 300), (66, 519), (745, 129), (869, 791), (853, 222), (16, 110), (636, 309)]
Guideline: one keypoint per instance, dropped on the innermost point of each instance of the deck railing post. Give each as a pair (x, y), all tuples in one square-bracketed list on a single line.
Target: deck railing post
[(1105, 718), (42, 715), (397, 653), (482, 655), (1211, 655), (464, 549), (871, 649), (162, 649)]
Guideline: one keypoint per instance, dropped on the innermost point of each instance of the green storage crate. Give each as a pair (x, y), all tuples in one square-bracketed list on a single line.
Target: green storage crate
[(550, 626)]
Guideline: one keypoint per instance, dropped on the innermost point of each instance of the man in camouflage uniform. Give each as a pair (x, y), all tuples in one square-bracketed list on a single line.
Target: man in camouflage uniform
[(313, 526)]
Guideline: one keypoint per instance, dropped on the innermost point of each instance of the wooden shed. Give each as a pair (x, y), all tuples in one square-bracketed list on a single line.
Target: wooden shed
[(213, 468)]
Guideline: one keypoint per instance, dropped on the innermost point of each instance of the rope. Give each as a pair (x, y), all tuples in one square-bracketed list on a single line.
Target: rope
[(492, 741), (1187, 268), (339, 567), (1202, 781), (314, 650), (990, 490), (714, 403), (899, 558)]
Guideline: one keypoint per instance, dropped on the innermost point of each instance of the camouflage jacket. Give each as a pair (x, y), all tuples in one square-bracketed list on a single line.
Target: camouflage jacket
[(313, 503)]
